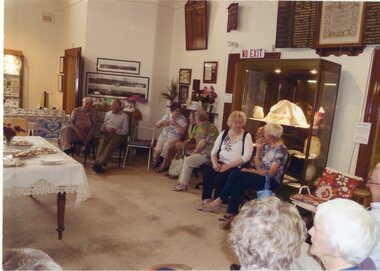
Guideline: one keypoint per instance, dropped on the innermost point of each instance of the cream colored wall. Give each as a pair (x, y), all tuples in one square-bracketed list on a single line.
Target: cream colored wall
[(257, 29), (133, 30), (153, 32), (39, 41)]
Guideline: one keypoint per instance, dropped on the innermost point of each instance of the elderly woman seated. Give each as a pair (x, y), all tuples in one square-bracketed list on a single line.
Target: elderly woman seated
[(343, 235), (270, 159), (267, 234)]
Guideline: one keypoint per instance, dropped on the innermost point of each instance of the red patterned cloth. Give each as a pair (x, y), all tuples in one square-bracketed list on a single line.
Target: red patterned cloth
[(335, 184)]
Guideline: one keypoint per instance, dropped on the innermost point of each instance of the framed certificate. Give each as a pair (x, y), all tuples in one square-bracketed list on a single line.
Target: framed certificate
[(210, 72), (340, 24)]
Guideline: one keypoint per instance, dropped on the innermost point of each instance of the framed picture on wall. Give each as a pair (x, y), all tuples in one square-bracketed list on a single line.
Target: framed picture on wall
[(117, 66), (340, 24), (116, 85), (210, 72), (61, 64), (183, 94), (184, 76)]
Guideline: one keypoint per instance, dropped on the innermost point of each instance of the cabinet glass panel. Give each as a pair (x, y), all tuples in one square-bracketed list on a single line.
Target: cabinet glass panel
[(13, 72), (298, 94)]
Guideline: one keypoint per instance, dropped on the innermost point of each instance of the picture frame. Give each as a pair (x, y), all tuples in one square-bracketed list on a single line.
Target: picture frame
[(60, 83), (116, 85), (184, 76), (118, 66), (340, 24), (183, 93), (196, 26), (210, 72), (61, 64)]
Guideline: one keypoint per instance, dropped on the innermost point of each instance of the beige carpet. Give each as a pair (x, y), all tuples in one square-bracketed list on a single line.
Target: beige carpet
[(133, 220)]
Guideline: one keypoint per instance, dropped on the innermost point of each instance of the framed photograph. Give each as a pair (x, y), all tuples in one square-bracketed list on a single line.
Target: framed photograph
[(60, 83), (184, 76), (117, 66), (61, 64), (183, 93), (210, 72), (340, 24), (116, 85)]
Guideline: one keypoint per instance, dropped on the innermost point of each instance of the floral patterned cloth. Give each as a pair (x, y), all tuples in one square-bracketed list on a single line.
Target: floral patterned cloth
[(334, 184), (278, 154), (171, 131), (48, 127)]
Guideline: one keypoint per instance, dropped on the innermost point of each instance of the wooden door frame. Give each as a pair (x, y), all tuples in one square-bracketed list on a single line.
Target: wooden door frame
[(371, 115), (232, 60), (73, 52)]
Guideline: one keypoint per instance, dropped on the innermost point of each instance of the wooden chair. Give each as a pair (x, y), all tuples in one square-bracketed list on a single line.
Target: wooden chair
[(332, 184)]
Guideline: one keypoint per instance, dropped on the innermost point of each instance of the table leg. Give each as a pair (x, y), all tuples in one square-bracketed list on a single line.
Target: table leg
[(61, 202)]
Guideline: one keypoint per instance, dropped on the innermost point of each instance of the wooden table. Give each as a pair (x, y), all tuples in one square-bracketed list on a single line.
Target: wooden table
[(35, 178)]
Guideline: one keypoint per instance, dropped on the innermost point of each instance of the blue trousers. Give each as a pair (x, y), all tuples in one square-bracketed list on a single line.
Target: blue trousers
[(214, 182), (238, 183)]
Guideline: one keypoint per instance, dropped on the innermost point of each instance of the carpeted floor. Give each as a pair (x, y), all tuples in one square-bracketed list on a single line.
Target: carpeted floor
[(133, 220)]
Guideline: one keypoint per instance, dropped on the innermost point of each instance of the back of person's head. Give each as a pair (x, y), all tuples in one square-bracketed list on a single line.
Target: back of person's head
[(28, 259), (349, 228), (267, 234), (201, 115), (235, 116), (175, 106), (272, 129)]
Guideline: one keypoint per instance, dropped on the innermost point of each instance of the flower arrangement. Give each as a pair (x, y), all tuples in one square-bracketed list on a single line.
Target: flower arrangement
[(207, 95), (9, 131)]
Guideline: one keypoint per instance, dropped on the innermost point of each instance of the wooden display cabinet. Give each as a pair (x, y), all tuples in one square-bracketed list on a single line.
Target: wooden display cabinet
[(311, 85), (13, 78)]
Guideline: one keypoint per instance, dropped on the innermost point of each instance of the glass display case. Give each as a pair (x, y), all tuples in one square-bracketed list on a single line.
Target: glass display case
[(13, 78), (299, 94)]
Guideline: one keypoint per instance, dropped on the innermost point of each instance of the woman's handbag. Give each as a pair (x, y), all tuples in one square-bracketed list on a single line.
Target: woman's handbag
[(266, 192), (176, 166)]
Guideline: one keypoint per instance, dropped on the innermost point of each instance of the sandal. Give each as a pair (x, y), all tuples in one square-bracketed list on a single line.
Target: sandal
[(226, 217), (160, 170), (208, 208), (226, 225), (180, 188)]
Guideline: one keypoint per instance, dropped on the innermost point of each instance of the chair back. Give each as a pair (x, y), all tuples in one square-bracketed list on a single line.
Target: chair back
[(142, 136), (48, 127)]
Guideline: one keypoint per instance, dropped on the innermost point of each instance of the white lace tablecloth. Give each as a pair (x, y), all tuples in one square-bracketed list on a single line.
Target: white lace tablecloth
[(33, 178)]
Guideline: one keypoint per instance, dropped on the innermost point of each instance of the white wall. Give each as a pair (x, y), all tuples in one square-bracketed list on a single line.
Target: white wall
[(132, 30), (25, 31)]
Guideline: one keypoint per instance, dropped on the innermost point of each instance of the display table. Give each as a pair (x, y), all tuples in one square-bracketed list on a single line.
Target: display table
[(35, 178)]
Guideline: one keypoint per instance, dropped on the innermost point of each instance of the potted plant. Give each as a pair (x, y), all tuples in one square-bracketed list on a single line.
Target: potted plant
[(171, 92)]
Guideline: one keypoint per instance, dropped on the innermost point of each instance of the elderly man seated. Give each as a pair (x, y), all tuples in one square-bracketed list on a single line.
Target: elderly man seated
[(113, 133), (81, 128)]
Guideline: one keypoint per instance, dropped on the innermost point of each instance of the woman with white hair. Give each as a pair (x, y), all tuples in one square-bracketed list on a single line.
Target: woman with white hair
[(267, 234), (270, 159), (343, 235)]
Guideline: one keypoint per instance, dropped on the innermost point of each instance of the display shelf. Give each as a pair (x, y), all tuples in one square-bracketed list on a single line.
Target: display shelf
[(299, 92)]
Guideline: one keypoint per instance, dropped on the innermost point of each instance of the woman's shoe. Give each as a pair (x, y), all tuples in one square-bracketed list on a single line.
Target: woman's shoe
[(209, 208), (226, 225), (160, 170), (226, 217), (180, 188)]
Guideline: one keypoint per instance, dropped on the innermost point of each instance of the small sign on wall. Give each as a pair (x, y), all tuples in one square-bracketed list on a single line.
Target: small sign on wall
[(362, 131), (252, 53)]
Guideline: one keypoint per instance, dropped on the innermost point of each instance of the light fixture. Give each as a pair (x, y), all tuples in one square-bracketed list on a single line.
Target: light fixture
[(312, 81), (277, 71), (313, 71)]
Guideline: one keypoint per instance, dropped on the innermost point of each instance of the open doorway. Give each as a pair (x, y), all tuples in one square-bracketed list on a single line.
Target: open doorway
[(73, 78)]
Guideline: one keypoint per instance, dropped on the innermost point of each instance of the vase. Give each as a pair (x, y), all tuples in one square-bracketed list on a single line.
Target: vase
[(8, 140)]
